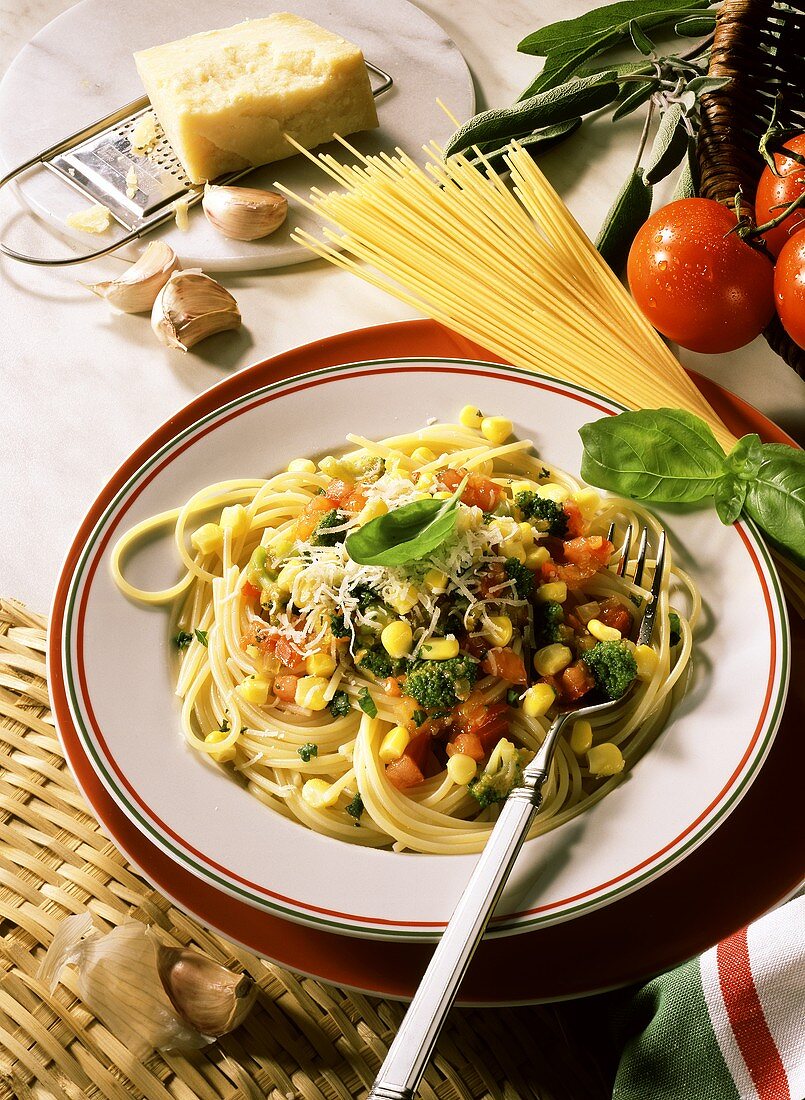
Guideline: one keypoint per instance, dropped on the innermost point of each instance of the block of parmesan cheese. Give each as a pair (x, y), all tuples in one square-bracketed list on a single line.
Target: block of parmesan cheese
[(225, 98)]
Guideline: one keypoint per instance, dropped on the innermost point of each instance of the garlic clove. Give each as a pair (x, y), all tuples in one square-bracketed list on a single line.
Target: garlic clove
[(137, 289), (244, 213), (190, 307), (207, 996)]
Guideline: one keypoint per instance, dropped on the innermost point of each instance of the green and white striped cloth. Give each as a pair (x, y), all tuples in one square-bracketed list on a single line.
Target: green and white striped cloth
[(728, 1025)]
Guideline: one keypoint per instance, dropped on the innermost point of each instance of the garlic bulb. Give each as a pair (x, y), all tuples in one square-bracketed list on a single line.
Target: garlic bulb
[(190, 307), (244, 213), (137, 289), (147, 994)]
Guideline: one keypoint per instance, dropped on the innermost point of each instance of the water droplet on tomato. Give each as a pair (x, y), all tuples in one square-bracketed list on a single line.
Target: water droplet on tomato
[(652, 302), (662, 265)]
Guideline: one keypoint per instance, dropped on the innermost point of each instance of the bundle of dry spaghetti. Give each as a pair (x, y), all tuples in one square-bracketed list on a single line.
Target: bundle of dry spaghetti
[(507, 267)]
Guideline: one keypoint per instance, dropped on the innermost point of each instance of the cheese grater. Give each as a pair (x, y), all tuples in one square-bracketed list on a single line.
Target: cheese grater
[(97, 159)]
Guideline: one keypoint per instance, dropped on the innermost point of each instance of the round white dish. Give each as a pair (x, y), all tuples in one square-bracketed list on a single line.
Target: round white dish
[(79, 68), (117, 667)]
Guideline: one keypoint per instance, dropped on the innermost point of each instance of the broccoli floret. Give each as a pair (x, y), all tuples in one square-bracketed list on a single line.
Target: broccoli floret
[(340, 705), (546, 514), (439, 685), (523, 578), (365, 596), (323, 536), (676, 628), (307, 751), (503, 772), (613, 666), (355, 808), (377, 662), (337, 627), (548, 617)]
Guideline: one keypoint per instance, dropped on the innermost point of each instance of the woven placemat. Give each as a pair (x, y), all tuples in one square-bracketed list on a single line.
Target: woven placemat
[(304, 1039)]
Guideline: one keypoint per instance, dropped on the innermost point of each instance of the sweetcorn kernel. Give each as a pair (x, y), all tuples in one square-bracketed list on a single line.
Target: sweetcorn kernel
[(319, 794), (236, 519), (254, 690), (603, 632), (526, 533), (310, 692), (461, 769), (522, 487), (404, 600), (551, 491), (536, 556), (441, 649), (207, 538), (397, 638), (589, 501), (320, 664), (647, 660), (301, 466), (426, 480), (223, 755), (373, 509), (496, 429), (471, 417), (581, 737), (552, 659), (423, 455), (605, 759), (253, 651), (553, 591), (442, 495), (436, 581), (394, 744), (499, 631), (538, 700)]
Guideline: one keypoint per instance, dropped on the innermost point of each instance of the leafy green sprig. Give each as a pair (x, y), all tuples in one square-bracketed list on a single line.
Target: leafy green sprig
[(670, 456)]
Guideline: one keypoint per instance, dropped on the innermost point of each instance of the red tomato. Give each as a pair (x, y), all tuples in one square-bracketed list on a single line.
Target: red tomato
[(698, 283), (391, 686), (404, 773), (285, 687), (487, 722), (505, 664), (260, 634), (592, 550), (466, 744), (250, 591), (778, 191), (575, 520), (576, 680), (480, 491), (614, 614), (789, 288), (418, 749), (290, 656)]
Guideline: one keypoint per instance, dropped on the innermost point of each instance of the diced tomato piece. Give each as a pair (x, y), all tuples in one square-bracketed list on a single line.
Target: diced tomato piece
[(506, 664), (250, 591), (354, 502), (290, 656), (592, 549), (492, 580), (574, 576), (573, 622), (418, 748), (466, 744), (576, 680), (576, 524), (309, 520), (480, 492), (337, 491), (614, 614), (261, 635), (487, 722), (285, 687), (476, 647), (391, 686), (404, 773)]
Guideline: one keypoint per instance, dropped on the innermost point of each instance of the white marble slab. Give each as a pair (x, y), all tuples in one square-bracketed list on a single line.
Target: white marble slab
[(79, 68)]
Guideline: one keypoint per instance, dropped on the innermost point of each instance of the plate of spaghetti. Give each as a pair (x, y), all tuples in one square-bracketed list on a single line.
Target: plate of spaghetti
[(313, 640)]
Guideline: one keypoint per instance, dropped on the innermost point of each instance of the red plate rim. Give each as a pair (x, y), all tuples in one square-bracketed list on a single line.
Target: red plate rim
[(388, 968)]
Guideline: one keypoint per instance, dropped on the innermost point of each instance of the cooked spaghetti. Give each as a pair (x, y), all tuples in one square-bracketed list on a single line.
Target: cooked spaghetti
[(376, 644)]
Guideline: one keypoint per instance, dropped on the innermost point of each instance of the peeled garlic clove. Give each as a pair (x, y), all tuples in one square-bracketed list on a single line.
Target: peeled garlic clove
[(207, 996), (137, 289), (190, 307), (244, 213)]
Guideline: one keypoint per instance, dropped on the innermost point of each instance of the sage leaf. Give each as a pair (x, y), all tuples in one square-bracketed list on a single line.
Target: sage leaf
[(568, 101), (664, 455), (685, 185), (669, 147), (729, 497), (405, 534), (566, 45), (536, 143), (695, 26), (689, 101), (745, 458), (636, 98), (702, 84), (775, 499), (642, 43), (628, 212)]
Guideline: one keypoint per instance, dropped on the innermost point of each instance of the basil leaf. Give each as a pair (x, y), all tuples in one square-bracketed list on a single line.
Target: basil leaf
[(641, 94), (569, 43), (628, 212), (367, 703), (665, 455), (745, 457), (539, 142), (201, 636), (670, 145), (405, 534), (568, 101), (729, 498), (775, 499)]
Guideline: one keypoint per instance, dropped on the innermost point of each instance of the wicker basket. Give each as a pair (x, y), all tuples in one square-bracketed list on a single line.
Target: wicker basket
[(760, 44)]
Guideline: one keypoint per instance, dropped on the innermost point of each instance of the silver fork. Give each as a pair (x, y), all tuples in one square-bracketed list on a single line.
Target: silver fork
[(413, 1045)]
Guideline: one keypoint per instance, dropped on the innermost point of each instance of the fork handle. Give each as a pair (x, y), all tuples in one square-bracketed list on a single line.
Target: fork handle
[(411, 1049)]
